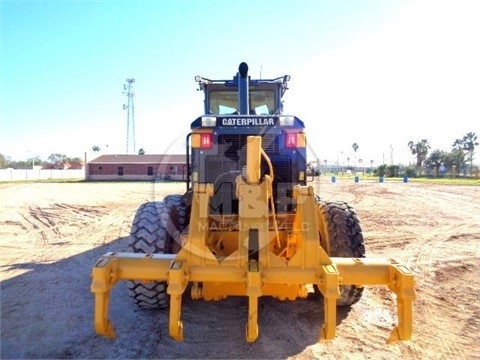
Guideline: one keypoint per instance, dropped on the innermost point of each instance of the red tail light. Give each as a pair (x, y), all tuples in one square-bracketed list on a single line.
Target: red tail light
[(206, 140), (290, 140)]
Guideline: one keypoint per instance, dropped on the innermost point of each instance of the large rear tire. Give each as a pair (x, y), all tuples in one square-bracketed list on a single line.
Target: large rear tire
[(341, 236), (156, 229)]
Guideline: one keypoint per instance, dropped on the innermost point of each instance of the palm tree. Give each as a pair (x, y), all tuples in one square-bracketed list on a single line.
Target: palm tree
[(355, 148), (467, 143), (360, 161), (420, 149), (96, 148), (141, 152)]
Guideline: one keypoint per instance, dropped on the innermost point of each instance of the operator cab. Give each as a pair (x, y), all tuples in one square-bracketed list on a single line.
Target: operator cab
[(261, 97), (216, 147), (221, 99)]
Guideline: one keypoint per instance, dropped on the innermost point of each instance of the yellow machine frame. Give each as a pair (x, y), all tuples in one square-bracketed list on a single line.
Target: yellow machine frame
[(263, 260)]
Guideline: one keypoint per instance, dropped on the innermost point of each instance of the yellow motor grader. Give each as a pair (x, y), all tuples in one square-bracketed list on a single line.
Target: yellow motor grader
[(248, 223)]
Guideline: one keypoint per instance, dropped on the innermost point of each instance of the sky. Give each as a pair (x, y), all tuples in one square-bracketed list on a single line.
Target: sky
[(379, 73)]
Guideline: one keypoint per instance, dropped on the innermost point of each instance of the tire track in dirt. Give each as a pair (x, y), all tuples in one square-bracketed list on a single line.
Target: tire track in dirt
[(434, 230), (444, 266), (49, 222)]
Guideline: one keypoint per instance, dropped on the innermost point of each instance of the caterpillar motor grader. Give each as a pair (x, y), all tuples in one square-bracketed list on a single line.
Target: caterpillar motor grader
[(249, 224)]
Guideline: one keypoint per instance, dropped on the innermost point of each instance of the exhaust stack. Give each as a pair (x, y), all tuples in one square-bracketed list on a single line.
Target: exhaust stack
[(243, 101)]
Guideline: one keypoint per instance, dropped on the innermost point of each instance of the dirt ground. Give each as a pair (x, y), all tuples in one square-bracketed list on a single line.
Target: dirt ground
[(52, 234)]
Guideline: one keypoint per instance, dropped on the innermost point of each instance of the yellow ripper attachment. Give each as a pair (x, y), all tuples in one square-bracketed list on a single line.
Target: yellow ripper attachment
[(257, 265)]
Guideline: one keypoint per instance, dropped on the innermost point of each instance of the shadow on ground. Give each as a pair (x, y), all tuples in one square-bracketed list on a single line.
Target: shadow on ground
[(47, 312)]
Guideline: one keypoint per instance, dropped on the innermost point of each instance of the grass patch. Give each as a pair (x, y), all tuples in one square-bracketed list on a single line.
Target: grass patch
[(437, 181)]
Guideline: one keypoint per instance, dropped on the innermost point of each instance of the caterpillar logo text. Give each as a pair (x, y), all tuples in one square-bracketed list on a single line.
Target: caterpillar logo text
[(256, 121)]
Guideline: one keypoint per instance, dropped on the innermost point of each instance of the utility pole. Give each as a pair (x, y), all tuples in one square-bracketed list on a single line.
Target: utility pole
[(128, 87)]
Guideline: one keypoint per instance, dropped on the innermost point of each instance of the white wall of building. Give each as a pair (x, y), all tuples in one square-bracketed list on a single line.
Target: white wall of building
[(40, 174)]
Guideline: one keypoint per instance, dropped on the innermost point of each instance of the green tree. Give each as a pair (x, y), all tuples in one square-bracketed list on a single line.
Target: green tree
[(392, 170), (381, 170), (57, 158), (420, 149), (18, 164), (411, 171), (355, 148), (456, 158), (436, 158), (34, 161), (141, 152), (467, 144), (3, 162)]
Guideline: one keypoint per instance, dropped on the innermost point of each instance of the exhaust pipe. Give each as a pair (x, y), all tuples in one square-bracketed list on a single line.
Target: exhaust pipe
[(243, 101)]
